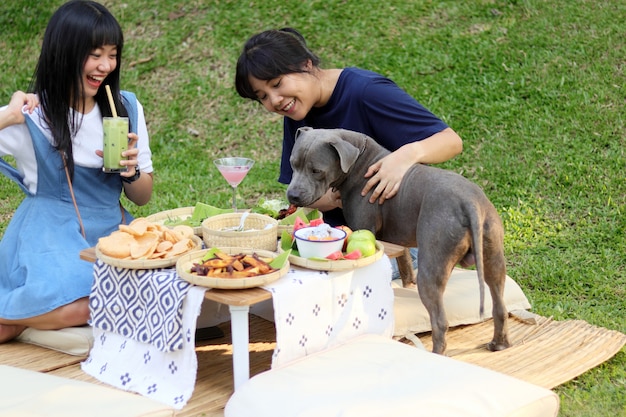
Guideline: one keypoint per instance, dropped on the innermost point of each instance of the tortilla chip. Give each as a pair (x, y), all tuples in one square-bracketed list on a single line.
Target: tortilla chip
[(144, 245), (164, 246), (183, 230), (181, 247), (117, 244), (170, 236)]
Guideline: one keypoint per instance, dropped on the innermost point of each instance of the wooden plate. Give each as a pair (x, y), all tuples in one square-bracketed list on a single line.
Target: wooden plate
[(182, 213), (185, 262), (339, 265), (146, 263)]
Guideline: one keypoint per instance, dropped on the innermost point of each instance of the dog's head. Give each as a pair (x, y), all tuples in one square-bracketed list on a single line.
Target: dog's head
[(320, 159)]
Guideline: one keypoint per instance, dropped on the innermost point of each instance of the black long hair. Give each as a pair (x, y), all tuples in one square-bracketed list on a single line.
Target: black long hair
[(73, 32), (270, 54)]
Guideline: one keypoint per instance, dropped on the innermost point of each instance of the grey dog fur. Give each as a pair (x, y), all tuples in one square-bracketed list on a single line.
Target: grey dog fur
[(449, 218)]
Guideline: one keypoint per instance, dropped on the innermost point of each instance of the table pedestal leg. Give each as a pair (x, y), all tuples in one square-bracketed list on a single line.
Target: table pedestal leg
[(240, 341)]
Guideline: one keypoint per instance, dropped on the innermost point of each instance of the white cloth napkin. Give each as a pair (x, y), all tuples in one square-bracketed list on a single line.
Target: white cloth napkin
[(315, 310), (165, 376)]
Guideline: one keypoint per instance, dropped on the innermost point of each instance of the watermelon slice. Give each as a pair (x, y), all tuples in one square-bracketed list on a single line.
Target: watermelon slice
[(335, 256), (316, 222), (355, 254), (299, 224)]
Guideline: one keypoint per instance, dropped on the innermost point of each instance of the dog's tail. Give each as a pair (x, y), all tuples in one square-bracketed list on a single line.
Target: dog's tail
[(476, 227)]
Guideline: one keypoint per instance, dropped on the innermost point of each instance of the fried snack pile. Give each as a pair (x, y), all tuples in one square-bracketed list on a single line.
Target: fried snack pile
[(222, 265), (142, 239)]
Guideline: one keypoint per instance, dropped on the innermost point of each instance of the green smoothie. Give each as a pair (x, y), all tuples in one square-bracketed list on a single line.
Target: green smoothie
[(115, 142)]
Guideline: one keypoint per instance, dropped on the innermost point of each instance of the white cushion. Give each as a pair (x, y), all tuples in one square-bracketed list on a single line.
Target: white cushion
[(72, 340), (33, 394), (461, 302), (372, 376)]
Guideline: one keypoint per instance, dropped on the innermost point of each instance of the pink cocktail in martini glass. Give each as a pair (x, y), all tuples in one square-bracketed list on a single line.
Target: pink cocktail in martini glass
[(234, 170)]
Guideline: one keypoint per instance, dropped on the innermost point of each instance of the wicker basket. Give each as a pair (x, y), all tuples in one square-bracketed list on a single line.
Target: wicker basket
[(260, 232)]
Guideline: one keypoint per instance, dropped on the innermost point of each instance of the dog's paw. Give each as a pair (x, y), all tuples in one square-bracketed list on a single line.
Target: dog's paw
[(495, 346)]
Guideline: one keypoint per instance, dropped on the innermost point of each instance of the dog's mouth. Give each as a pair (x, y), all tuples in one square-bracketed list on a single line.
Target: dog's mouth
[(301, 203), (300, 200)]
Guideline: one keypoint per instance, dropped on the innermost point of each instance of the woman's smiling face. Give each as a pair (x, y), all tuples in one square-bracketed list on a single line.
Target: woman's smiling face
[(100, 63), (292, 95)]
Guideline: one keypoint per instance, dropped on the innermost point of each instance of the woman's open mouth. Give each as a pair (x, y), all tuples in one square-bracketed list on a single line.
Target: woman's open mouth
[(95, 81), (289, 106)]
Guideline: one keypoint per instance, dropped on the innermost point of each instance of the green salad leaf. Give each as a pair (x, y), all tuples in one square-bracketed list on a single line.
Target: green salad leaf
[(270, 207), (280, 260), (201, 211)]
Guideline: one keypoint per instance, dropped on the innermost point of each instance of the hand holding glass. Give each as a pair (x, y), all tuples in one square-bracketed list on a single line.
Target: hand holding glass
[(234, 170)]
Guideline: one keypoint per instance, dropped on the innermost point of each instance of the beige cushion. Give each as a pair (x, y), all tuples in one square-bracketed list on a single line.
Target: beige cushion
[(33, 394), (372, 376), (72, 340), (461, 302)]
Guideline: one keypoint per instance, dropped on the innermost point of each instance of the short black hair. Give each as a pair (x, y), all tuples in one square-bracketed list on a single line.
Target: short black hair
[(270, 54)]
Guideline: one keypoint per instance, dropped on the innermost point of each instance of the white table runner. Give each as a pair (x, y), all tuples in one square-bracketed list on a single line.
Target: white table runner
[(313, 310)]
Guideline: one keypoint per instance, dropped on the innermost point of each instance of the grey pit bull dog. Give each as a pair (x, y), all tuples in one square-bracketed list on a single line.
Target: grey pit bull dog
[(448, 217)]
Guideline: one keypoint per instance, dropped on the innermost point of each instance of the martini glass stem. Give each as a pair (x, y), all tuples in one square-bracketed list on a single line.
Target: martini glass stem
[(234, 199)]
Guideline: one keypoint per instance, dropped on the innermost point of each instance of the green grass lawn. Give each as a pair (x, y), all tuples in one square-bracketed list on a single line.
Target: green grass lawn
[(535, 88)]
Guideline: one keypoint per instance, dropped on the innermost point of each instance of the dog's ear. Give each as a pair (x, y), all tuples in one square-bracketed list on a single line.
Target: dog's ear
[(302, 130), (348, 153)]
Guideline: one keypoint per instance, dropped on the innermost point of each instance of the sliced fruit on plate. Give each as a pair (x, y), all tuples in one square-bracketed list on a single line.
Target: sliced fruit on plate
[(299, 224), (335, 256), (316, 222), (303, 214), (355, 254)]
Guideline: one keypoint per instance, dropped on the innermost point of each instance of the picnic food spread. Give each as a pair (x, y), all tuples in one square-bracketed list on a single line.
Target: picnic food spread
[(158, 241)]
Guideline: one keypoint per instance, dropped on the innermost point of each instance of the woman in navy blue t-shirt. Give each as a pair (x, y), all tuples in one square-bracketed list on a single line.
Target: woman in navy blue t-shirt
[(277, 69)]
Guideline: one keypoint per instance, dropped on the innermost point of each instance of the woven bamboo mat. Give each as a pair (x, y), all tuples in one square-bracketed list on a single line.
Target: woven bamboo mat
[(214, 380), (548, 354), (34, 358)]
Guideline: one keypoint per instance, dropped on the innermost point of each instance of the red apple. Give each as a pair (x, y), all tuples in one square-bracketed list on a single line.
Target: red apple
[(348, 233)]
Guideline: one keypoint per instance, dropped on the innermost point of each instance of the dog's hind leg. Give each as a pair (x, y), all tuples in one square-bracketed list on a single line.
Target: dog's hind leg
[(432, 278), (495, 278)]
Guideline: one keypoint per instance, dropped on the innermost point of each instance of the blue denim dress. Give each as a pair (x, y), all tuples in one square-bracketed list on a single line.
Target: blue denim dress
[(40, 267)]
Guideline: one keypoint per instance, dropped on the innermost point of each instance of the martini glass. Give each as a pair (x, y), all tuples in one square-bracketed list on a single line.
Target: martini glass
[(234, 170)]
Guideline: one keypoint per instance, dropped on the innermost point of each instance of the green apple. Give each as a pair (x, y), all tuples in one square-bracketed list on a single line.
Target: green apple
[(367, 247), (362, 234)]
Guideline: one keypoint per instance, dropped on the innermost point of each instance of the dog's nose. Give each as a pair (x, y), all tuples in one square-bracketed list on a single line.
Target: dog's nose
[(294, 198)]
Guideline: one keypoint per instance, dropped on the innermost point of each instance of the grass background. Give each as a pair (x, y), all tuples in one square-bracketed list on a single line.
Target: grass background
[(535, 88)]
